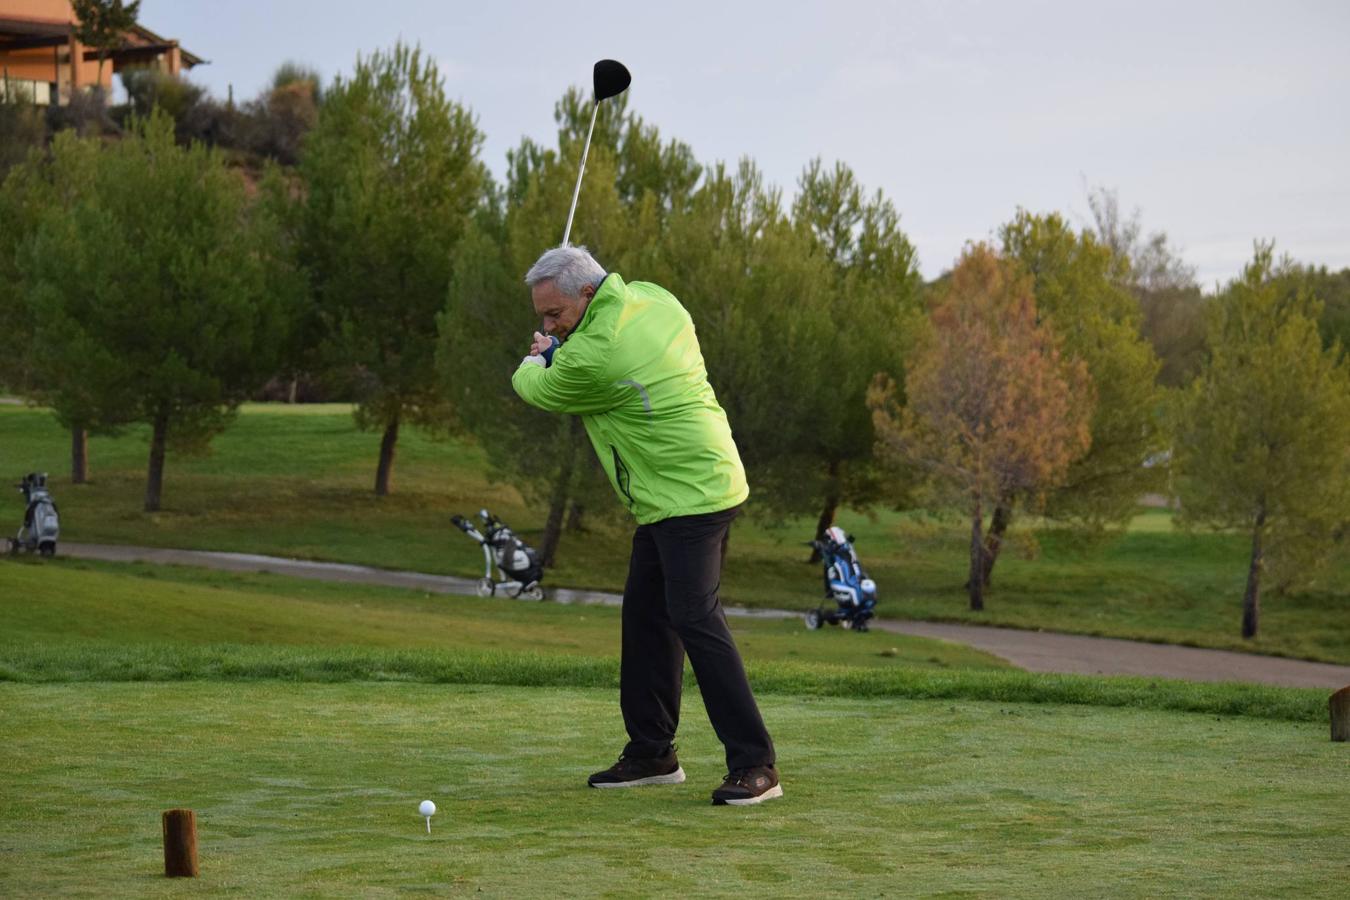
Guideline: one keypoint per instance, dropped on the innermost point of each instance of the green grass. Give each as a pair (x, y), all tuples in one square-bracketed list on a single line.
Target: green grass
[(311, 790), (296, 481), (76, 621), (303, 721), (249, 663), (111, 605)]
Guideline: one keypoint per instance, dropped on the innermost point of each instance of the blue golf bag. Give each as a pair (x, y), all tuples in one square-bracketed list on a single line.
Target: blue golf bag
[(851, 597)]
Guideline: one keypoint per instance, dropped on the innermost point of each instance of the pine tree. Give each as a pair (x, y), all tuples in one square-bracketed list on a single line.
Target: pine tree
[(872, 292), (1079, 287), (391, 176), (102, 24), (155, 293), (760, 296), (1263, 439), (31, 191)]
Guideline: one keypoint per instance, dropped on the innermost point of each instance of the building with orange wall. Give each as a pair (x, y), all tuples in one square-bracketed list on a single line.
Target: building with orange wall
[(41, 59)]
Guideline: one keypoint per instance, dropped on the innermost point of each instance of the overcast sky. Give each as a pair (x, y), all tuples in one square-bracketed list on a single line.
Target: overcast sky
[(1221, 122)]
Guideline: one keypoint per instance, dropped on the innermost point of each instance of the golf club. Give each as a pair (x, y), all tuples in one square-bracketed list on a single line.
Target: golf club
[(610, 78)]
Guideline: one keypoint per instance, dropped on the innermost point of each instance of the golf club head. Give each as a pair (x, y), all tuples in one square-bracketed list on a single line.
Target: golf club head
[(611, 79)]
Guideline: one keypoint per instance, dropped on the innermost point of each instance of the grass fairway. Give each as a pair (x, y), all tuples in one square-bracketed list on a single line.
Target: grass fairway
[(311, 790), (73, 621), (296, 481), (105, 608), (304, 721)]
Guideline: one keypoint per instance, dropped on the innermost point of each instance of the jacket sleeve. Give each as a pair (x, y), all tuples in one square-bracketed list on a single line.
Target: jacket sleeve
[(572, 384)]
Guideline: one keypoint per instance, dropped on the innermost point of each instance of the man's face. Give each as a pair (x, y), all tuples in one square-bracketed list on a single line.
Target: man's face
[(558, 313)]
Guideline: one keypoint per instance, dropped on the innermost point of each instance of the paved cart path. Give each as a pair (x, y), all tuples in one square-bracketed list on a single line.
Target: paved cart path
[(1044, 651), (1035, 651)]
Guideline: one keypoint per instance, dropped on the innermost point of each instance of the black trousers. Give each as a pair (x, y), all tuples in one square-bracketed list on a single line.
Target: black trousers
[(670, 608)]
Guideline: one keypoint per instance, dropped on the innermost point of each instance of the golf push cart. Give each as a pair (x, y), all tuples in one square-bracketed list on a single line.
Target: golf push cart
[(41, 524), (846, 584), (516, 562)]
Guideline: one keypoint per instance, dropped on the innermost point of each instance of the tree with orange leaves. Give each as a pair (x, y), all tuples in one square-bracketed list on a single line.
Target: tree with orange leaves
[(992, 407)]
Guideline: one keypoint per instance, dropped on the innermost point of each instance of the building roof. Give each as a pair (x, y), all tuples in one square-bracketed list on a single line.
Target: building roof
[(189, 59), (24, 34), (139, 43)]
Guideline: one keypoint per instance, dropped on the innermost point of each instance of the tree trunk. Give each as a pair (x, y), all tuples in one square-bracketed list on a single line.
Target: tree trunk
[(557, 502), (294, 390), (1251, 600), (975, 583), (557, 506), (576, 516), (993, 542), (154, 481), (831, 507), (79, 455), (385, 472)]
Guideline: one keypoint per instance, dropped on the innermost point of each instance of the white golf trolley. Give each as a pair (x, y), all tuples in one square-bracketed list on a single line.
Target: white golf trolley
[(516, 562), (41, 524)]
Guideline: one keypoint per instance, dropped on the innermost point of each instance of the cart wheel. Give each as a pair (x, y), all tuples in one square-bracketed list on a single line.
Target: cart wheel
[(13, 547), (813, 619), (486, 588), (845, 623), (861, 626), (47, 548), (534, 592)]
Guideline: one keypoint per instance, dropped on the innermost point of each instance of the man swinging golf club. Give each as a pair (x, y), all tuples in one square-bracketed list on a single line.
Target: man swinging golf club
[(631, 367), (625, 358)]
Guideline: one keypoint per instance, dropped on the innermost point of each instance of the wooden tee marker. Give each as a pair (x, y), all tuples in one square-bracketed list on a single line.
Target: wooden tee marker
[(1340, 714), (180, 843)]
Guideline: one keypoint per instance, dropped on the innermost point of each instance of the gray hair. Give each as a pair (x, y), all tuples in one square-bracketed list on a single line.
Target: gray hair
[(570, 268)]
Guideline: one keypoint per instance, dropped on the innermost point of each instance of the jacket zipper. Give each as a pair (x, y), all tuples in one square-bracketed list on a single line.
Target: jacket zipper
[(621, 477)]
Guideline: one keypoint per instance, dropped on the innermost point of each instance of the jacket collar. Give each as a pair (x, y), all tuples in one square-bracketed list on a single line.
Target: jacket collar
[(611, 288)]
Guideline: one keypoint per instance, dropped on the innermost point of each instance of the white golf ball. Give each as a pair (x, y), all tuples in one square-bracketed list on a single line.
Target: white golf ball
[(427, 808)]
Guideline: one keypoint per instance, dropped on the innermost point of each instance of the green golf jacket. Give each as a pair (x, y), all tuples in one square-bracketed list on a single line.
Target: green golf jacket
[(633, 371)]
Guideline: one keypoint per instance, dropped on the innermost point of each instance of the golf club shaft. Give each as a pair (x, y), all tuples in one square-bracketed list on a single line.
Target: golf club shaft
[(576, 192)]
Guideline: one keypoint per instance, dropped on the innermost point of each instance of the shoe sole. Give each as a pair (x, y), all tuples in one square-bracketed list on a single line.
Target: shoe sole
[(676, 777), (770, 794)]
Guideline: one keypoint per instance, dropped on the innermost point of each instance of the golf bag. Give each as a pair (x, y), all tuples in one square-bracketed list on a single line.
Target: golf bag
[(847, 587), (517, 564), (41, 524)]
